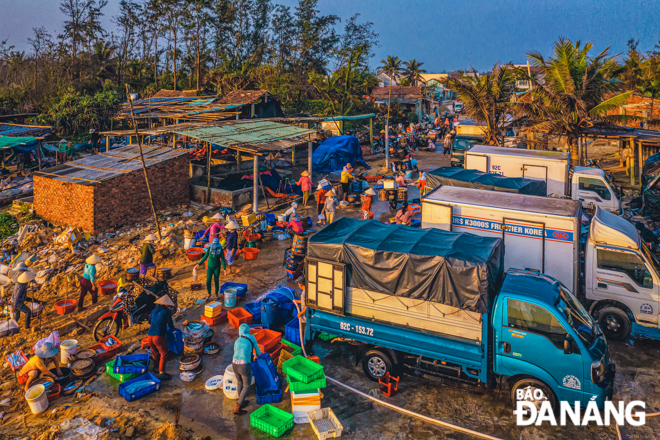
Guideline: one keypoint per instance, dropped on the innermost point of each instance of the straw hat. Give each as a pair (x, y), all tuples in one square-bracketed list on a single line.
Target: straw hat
[(165, 300), (93, 259), (150, 237), (46, 350), (26, 277), (217, 217), (232, 225), (370, 192), (320, 187), (330, 193), (304, 173)]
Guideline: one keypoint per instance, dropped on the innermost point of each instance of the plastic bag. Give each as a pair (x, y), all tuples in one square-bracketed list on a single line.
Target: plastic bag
[(8, 326), (53, 338), (194, 274)]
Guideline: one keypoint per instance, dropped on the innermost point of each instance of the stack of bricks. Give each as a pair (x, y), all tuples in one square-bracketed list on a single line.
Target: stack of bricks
[(118, 201)]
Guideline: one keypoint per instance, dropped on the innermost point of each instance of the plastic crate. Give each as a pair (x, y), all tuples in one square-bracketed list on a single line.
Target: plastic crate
[(302, 369), (140, 393), (267, 339), (298, 386), (325, 423), (110, 343), (273, 396), (271, 420), (222, 317), (120, 377), (296, 347), (326, 336), (292, 331), (55, 394), (121, 366), (285, 355), (175, 341), (275, 353), (255, 309), (20, 357), (265, 373), (102, 354), (241, 289), (237, 317)]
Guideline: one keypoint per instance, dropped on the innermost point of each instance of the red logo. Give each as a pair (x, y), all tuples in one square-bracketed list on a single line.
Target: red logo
[(559, 235)]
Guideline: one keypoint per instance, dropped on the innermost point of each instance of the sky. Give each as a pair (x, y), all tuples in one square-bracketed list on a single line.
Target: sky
[(444, 35)]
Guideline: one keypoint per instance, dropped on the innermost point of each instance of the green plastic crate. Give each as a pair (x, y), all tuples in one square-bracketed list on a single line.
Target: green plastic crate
[(297, 386), (271, 420), (120, 377), (296, 348), (326, 336), (302, 369)]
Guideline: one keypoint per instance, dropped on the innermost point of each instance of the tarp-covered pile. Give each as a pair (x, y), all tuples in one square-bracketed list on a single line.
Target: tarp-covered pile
[(453, 176), (335, 152), (457, 269)]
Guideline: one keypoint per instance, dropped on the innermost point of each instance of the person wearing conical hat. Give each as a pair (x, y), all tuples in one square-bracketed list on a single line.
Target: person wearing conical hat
[(421, 183), (161, 324), (61, 152), (147, 257), (320, 199), (366, 205), (215, 228), (305, 184), (19, 295), (331, 203), (88, 280), (37, 366), (216, 260), (232, 244)]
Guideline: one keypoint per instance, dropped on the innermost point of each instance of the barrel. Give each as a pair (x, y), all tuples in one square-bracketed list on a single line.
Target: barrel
[(163, 274), (230, 297), (270, 312), (132, 274), (299, 244), (229, 383)]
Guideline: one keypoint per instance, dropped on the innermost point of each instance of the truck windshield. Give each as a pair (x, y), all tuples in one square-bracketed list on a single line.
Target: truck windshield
[(464, 144), (576, 315), (652, 258)]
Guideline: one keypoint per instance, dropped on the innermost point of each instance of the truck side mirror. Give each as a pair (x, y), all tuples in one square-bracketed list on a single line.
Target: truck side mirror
[(568, 345)]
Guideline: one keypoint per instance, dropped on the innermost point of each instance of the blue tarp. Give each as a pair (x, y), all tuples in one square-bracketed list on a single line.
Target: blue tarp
[(333, 154)]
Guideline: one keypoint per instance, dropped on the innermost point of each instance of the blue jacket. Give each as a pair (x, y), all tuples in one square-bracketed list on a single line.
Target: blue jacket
[(161, 319), (90, 272), (20, 292), (244, 344)]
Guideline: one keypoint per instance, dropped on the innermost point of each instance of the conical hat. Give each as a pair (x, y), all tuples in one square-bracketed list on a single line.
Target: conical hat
[(26, 277), (150, 237), (93, 259), (304, 173), (330, 193), (232, 225), (217, 217), (370, 192), (165, 300)]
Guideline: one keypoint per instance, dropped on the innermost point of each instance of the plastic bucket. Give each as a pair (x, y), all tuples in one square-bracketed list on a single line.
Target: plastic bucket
[(230, 297), (37, 399), (229, 384), (281, 217), (68, 348), (270, 312), (188, 243)]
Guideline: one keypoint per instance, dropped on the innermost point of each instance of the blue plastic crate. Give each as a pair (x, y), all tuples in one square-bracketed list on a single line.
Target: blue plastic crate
[(175, 341), (255, 309), (292, 331), (198, 236), (141, 393), (265, 373), (121, 361), (241, 289), (263, 397), (270, 217)]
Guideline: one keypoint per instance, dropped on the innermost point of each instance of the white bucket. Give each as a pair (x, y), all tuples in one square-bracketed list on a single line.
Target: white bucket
[(229, 383), (188, 243), (68, 348), (37, 399), (230, 297), (281, 217)]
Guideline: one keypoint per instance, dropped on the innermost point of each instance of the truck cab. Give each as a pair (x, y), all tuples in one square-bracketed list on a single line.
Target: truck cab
[(462, 143), (594, 188), (544, 339), (622, 276)]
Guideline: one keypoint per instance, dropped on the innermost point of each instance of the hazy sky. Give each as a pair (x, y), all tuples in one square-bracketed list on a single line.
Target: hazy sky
[(441, 34)]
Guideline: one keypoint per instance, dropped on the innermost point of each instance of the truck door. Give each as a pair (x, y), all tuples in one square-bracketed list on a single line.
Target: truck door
[(532, 341), (524, 245), (622, 275), (477, 162), (535, 172), (592, 191)]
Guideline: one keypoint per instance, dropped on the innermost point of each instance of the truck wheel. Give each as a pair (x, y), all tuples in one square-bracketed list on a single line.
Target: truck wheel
[(614, 323), (375, 364), (534, 391)]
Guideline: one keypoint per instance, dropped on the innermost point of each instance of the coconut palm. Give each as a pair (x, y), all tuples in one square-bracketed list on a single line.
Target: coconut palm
[(577, 92), (392, 68), (486, 97), (413, 71)]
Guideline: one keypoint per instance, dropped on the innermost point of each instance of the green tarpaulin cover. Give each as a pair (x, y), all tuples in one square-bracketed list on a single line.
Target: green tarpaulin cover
[(453, 176), (10, 141)]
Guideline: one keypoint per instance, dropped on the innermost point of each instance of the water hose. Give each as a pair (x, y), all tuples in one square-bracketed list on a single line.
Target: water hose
[(618, 430)]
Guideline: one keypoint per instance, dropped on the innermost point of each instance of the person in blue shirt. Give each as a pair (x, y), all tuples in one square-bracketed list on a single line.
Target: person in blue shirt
[(19, 295), (241, 364), (88, 280), (232, 244), (161, 323)]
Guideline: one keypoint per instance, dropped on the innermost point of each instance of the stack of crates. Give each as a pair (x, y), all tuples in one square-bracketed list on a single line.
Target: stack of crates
[(305, 378), (213, 314)]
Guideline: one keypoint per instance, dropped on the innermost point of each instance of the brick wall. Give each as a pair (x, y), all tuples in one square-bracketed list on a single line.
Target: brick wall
[(119, 201)]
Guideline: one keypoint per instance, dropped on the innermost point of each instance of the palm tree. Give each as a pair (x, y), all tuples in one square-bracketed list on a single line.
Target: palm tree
[(487, 97), (577, 91), (392, 68), (413, 71)]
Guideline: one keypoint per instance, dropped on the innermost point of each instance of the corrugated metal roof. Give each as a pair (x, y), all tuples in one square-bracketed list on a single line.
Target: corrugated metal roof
[(19, 130)]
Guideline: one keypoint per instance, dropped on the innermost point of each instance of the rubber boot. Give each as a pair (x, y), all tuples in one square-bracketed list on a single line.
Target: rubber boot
[(245, 403), (238, 411)]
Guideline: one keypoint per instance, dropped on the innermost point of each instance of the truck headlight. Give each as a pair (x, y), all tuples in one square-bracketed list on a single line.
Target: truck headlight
[(597, 372)]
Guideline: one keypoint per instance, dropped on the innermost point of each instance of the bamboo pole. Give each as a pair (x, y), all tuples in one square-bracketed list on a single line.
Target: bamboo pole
[(144, 167), (208, 175)]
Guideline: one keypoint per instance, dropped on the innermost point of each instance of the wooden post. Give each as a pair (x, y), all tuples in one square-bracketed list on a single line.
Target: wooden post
[(208, 175), (619, 144), (255, 177), (310, 151), (237, 115), (252, 111), (39, 154), (640, 163), (107, 144), (631, 155), (238, 161), (174, 140), (371, 134), (293, 157)]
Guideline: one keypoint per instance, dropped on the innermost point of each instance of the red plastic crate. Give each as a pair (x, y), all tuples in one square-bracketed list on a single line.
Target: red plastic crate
[(105, 340), (222, 317), (56, 392), (275, 352), (101, 357), (237, 317), (267, 339)]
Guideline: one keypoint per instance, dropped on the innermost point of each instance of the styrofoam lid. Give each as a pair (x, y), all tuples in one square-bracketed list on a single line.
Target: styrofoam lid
[(214, 382)]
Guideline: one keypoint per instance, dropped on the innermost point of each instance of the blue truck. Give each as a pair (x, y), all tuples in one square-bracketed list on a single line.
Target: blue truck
[(436, 305)]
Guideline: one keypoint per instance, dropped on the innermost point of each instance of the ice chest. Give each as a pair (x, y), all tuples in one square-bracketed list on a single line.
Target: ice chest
[(248, 219), (212, 310), (302, 402), (390, 184)]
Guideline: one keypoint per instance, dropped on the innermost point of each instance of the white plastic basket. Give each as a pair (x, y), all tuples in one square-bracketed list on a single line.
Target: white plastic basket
[(325, 423)]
